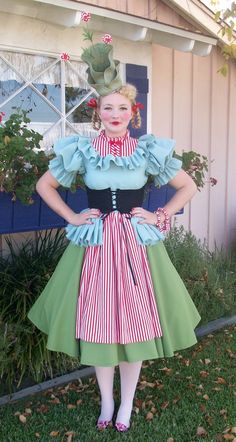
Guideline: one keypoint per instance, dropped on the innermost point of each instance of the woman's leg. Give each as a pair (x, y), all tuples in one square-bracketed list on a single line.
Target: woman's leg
[(105, 377), (129, 374)]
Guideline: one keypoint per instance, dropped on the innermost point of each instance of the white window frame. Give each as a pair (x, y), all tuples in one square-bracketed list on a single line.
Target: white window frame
[(63, 120)]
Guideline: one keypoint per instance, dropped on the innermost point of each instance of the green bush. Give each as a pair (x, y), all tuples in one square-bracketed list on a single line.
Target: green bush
[(22, 160), (23, 275), (209, 276)]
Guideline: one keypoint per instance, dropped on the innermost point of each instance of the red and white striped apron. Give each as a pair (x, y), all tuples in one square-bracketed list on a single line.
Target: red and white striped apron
[(116, 302)]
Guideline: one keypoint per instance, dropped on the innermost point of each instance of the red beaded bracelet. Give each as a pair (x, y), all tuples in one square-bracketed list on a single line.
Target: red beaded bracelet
[(165, 225)]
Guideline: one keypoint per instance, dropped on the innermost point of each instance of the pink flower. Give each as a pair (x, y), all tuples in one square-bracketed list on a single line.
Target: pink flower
[(213, 181), (65, 56), (107, 38), (2, 114), (85, 16)]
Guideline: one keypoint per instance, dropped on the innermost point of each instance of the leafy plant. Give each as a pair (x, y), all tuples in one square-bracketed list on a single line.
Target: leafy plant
[(23, 275), (22, 161), (196, 165), (226, 19), (209, 276)]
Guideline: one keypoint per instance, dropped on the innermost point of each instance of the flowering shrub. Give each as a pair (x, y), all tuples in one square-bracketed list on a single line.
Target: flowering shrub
[(22, 161), (196, 165)]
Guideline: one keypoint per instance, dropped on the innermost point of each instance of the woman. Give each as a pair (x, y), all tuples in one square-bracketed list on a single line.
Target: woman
[(115, 298)]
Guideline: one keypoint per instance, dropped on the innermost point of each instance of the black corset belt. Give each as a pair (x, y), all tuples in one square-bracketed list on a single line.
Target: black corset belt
[(108, 200)]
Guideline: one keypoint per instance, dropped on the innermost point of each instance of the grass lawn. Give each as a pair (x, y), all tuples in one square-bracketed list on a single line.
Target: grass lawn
[(188, 398)]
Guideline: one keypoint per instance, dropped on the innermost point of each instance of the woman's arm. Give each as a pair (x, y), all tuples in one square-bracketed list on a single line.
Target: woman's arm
[(47, 188), (185, 189)]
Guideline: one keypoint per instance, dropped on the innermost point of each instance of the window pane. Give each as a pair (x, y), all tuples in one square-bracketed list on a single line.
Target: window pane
[(8, 88), (82, 114), (49, 85), (28, 100), (10, 81), (76, 87), (58, 84)]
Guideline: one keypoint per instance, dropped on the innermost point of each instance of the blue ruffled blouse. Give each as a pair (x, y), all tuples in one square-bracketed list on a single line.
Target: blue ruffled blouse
[(76, 154)]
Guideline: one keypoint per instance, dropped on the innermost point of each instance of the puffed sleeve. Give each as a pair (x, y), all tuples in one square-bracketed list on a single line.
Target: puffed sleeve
[(161, 163), (68, 161)]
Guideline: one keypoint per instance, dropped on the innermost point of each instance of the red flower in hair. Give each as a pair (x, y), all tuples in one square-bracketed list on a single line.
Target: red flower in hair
[(137, 106), (65, 56), (2, 114), (107, 38), (92, 103), (85, 16)]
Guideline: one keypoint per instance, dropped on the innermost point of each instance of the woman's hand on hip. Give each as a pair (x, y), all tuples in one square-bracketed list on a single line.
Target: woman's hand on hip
[(77, 219), (148, 217)]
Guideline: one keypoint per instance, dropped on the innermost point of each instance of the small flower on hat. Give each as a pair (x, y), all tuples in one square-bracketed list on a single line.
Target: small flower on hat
[(85, 16), (65, 56), (2, 114), (107, 38), (92, 103), (137, 106)]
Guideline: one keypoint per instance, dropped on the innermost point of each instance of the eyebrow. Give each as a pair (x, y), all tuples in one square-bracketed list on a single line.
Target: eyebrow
[(108, 104)]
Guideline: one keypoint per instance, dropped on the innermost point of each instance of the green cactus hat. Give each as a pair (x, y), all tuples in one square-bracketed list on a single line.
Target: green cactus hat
[(103, 71)]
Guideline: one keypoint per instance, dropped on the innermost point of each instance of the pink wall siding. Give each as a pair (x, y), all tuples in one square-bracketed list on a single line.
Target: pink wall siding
[(231, 162), (201, 117), (194, 104), (219, 149)]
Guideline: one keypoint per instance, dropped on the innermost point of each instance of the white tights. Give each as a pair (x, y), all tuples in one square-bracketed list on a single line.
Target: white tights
[(129, 374)]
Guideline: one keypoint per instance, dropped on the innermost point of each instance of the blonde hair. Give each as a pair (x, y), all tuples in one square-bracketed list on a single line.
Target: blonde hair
[(96, 120), (129, 91)]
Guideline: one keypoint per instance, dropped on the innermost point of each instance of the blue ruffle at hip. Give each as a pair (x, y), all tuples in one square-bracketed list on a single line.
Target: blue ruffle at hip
[(92, 234)]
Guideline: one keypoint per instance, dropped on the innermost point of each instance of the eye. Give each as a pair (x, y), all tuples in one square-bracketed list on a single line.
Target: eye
[(123, 108), (107, 108)]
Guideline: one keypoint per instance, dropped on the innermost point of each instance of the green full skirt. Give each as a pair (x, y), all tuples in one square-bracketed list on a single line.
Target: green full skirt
[(54, 313)]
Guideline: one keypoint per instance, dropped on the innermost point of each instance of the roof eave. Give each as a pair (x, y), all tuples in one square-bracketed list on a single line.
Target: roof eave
[(139, 29), (67, 13), (197, 12)]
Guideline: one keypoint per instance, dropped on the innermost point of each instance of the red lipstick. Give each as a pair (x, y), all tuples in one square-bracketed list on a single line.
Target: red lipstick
[(115, 123)]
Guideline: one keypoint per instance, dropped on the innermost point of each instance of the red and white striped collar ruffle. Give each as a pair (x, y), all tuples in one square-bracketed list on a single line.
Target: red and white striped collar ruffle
[(117, 146)]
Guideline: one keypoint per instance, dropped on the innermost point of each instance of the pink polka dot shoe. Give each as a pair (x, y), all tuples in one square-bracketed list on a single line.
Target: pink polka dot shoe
[(102, 425), (122, 428)]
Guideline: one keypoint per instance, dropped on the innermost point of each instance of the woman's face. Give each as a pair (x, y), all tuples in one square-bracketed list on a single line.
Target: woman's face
[(115, 113)]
